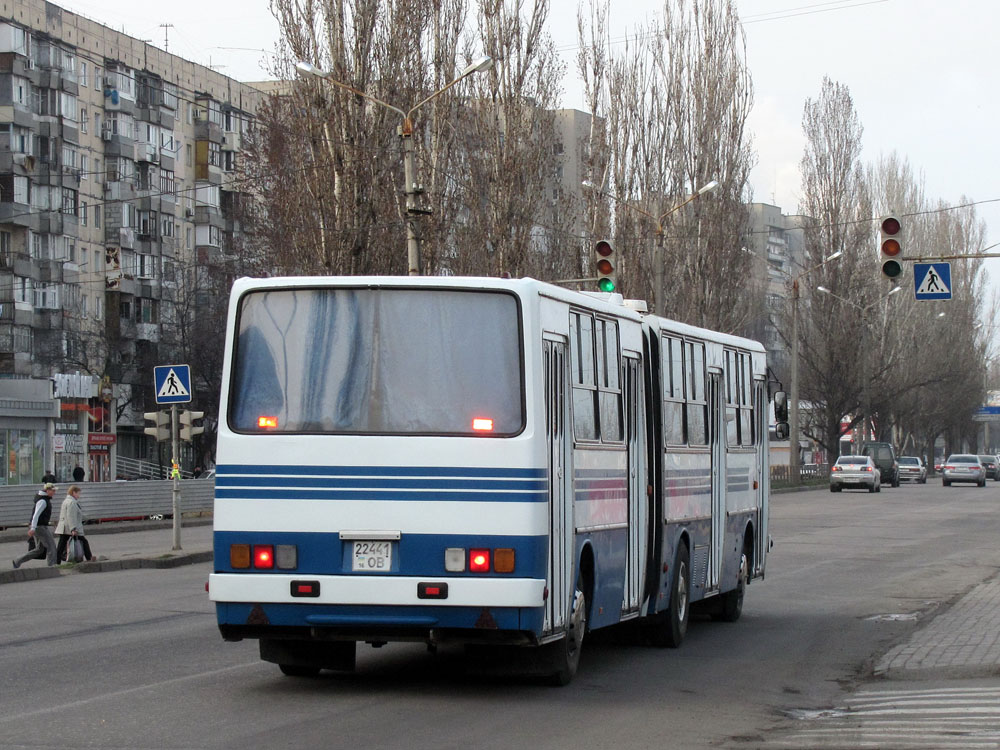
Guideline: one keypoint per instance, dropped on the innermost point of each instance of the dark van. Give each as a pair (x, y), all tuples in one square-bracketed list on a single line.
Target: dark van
[(884, 456)]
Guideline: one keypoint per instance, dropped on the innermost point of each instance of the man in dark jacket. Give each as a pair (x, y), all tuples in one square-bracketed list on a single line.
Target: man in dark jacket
[(78, 473), (39, 529)]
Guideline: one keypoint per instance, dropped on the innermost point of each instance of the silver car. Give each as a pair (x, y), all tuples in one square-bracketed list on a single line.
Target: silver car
[(912, 468), (855, 471), (963, 467)]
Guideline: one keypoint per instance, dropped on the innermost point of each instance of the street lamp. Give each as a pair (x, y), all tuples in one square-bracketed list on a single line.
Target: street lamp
[(865, 357), (412, 187), (794, 464), (658, 270)]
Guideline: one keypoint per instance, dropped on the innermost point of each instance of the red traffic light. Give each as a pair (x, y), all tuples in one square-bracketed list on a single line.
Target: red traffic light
[(890, 225)]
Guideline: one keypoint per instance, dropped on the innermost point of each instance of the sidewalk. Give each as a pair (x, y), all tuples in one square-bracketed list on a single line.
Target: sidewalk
[(961, 641), (117, 546)]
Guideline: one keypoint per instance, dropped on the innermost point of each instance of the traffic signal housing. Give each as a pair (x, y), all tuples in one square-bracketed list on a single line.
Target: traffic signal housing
[(188, 427), (607, 266), (160, 428), (891, 245)]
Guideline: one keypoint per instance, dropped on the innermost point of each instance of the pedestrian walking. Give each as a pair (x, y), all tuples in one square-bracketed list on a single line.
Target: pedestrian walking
[(78, 473), (39, 530), (70, 526)]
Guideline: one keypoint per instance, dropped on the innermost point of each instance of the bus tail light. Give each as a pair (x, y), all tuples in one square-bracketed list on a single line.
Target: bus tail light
[(454, 560), (263, 556), (239, 556), (286, 557), (267, 423), (479, 561), (503, 560)]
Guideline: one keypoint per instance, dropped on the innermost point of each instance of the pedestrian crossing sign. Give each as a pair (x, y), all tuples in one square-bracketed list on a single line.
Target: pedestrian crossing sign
[(932, 280), (172, 384)]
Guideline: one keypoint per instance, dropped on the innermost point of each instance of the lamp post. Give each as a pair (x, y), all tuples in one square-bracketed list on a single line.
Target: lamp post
[(412, 187), (658, 271), (794, 464), (866, 357)]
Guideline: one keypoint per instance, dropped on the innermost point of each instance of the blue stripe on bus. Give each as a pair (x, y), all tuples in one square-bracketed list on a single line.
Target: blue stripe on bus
[(323, 553), (484, 495), (396, 471), (307, 615), (484, 483)]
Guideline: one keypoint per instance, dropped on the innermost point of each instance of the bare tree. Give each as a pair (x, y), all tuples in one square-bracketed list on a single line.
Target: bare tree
[(676, 100)]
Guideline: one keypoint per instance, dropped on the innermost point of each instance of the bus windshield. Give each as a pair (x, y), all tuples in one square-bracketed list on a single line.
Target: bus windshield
[(378, 361)]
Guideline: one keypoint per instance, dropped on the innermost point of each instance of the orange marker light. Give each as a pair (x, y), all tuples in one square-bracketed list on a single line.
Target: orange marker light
[(482, 424), (267, 423)]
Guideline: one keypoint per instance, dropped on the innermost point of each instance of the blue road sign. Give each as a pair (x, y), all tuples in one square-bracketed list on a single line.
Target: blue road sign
[(932, 280), (172, 384)]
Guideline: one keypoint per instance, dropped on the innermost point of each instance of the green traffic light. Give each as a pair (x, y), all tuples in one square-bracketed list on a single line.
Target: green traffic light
[(891, 269), (606, 285)]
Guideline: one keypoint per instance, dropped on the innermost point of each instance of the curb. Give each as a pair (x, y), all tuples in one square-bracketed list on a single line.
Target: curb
[(23, 574)]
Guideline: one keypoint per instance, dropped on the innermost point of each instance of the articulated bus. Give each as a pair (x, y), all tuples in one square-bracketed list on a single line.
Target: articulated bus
[(501, 464)]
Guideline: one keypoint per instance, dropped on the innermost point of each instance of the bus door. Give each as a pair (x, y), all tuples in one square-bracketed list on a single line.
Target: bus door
[(717, 446), (635, 428), (559, 567), (763, 475)]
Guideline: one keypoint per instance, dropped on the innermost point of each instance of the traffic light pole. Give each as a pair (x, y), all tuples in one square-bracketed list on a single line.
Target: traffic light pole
[(175, 475)]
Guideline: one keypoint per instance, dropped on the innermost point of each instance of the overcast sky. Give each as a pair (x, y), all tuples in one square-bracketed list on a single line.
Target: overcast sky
[(922, 74)]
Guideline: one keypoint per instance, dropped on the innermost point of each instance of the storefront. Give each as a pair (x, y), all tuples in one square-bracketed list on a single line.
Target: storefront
[(28, 411)]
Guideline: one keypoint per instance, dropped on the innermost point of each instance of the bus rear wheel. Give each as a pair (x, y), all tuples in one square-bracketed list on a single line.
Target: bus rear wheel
[(565, 653), (667, 629), (295, 670), (731, 602)]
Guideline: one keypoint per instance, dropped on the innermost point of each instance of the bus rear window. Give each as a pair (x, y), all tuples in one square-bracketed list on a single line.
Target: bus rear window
[(382, 361)]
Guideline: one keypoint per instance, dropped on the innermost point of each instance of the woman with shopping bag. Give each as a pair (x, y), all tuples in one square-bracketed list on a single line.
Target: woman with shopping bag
[(70, 529)]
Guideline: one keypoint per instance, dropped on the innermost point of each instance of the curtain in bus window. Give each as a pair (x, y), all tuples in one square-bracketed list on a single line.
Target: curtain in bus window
[(732, 423), (673, 405), (609, 387), (584, 382), (379, 361), (697, 403)]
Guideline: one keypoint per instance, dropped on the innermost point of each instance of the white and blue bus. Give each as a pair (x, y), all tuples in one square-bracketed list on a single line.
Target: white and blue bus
[(482, 461)]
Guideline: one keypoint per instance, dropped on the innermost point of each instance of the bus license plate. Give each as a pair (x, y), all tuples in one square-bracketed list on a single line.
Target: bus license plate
[(372, 557)]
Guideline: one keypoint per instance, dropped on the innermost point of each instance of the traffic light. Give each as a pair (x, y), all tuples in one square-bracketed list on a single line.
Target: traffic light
[(161, 425), (607, 266), (188, 428), (891, 245)]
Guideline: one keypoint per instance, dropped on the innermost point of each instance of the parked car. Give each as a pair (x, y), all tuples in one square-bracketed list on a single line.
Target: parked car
[(884, 456), (912, 468), (855, 471), (992, 467), (963, 467)]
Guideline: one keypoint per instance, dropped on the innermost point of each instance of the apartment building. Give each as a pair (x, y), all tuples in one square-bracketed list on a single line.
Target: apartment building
[(776, 238), (117, 166)]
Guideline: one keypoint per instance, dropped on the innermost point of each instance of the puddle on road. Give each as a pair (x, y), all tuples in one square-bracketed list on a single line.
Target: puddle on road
[(910, 616), (808, 714)]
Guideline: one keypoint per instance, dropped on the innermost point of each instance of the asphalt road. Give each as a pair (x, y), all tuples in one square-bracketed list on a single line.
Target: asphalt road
[(132, 659)]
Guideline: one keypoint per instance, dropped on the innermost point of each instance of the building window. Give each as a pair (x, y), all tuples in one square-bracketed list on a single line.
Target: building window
[(83, 213), (83, 74), (5, 254), (20, 189), (97, 79), (84, 120), (69, 204)]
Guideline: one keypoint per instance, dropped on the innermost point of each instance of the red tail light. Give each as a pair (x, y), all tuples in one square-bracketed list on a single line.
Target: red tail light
[(836, 468), (479, 560), (263, 556)]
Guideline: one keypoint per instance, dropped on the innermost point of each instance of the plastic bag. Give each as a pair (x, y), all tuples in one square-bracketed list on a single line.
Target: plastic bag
[(74, 550)]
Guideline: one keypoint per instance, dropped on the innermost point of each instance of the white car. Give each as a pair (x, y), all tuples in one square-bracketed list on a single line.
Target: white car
[(963, 467), (912, 468), (855, 471)]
